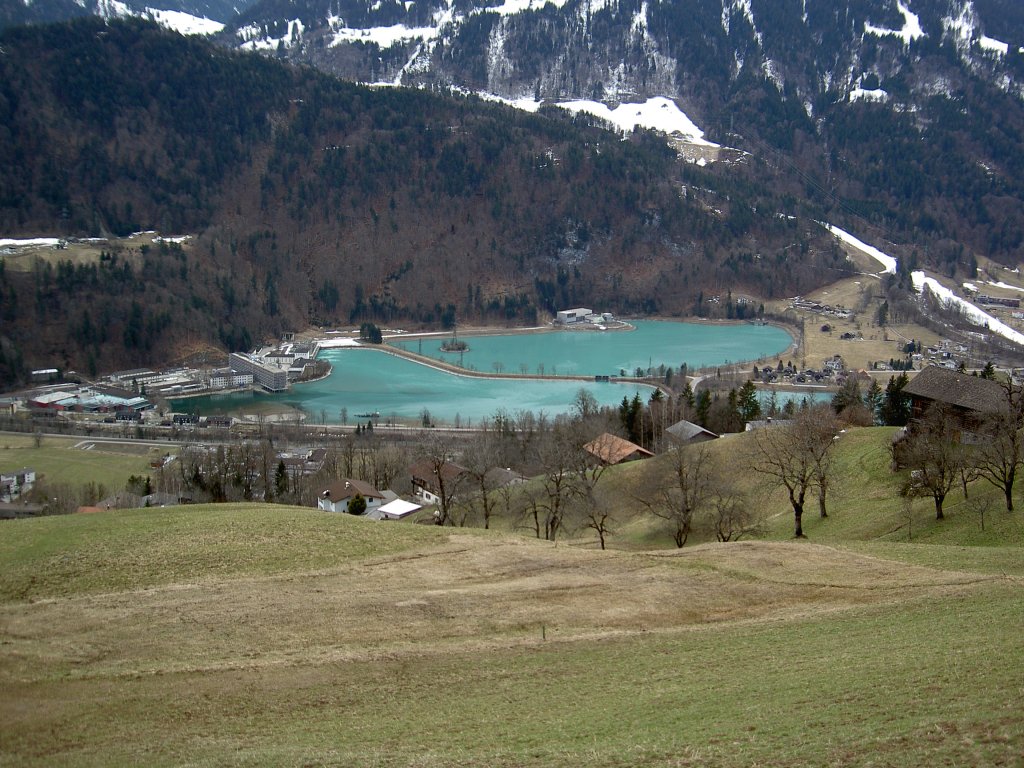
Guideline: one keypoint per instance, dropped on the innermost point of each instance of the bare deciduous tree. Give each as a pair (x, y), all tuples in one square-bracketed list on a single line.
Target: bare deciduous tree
[(733, 518), (797, 457), (934, 455), (589, 471), (479, 458), (439, 459), (599, 519), (558, 455), (1001, 452), (677, 494)]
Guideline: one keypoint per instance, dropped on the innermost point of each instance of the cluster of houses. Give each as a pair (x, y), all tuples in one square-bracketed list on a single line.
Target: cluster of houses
[(14, 484), (806, 305), (946, 354), (430, 480), (828, 373)]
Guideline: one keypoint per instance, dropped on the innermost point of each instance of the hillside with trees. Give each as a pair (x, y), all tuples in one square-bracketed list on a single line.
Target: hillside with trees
[(316, 201)]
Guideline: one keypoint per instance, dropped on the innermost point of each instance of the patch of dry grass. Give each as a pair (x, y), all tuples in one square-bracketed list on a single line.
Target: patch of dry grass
[(473, 649)]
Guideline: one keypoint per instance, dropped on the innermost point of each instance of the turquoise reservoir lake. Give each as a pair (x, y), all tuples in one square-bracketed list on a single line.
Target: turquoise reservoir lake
[(371, 380), (593, 352)]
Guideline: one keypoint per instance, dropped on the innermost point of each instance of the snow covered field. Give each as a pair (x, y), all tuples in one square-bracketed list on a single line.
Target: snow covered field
[(975, 315), (884, 259), (9, 242)]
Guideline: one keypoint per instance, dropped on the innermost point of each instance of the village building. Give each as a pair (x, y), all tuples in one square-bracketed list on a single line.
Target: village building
[(687, 433), (572, 316), (611, 449), (270, 377), (14, 484), (394, 510), (336, 496), (97, 399), (429, 482), (225, 378), (968, 397)]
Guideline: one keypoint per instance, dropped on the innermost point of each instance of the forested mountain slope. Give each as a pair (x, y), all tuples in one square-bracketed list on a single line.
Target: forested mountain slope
[(907, 115), (314, 200)]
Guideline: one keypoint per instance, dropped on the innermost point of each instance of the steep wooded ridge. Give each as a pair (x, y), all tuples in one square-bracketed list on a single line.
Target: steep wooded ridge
[(315, 200), (906, 115)]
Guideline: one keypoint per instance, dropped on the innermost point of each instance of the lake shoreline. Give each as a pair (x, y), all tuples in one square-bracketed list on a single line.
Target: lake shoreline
[(566, 358)]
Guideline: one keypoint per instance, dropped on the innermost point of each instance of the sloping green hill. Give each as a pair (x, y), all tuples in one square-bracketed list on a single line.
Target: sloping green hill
[(864, 503), (263, 635)]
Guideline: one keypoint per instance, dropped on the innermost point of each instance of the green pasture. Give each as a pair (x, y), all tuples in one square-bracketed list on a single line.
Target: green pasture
[(58, 462), (266, 635), (138, 548)]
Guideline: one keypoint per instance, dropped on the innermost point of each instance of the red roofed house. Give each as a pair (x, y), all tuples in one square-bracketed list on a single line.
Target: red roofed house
[(611, 449)]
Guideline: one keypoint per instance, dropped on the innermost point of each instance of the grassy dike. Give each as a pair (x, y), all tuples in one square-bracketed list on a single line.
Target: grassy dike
[(268, 635)]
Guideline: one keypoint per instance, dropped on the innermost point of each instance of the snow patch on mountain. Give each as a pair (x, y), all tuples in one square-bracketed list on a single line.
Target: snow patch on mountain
[(658, 113), (961, 27), (177, 21), (112, 9), (911, 27), (13, 242), (638, 25), (184, 23), (772, 72), (874, 94), (252, 41), (991, 44), (385, 37), (1005, 286), (395, 34), (511, 7), (743, 8)]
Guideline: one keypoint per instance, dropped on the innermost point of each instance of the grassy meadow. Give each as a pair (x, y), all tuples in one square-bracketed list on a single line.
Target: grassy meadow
[(65, 461), (250, 634)]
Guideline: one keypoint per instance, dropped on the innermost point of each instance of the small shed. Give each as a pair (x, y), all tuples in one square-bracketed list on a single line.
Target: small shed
[(396, 510)]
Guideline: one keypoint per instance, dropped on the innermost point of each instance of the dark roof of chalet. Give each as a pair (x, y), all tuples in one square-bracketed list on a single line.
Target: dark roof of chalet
[(499, 477), (347, 488), (612, 449), (686, 430), (956, 388)]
